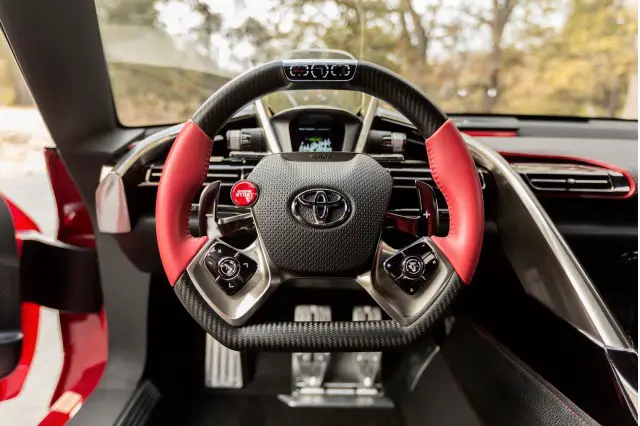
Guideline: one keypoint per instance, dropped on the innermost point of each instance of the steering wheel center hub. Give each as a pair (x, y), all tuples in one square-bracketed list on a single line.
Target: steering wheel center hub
[(321, 216)]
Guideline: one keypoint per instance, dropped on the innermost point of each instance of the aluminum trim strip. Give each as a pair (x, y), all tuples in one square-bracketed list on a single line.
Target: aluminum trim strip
[(554, 277), (112, 210), (265, 123), (366, 125)]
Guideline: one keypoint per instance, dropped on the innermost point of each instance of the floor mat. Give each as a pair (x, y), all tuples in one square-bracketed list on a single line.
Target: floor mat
[(218, 410)]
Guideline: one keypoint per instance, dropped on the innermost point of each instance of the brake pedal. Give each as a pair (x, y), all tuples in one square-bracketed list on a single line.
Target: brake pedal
[(223, 367), (309, 368), (367, 363)]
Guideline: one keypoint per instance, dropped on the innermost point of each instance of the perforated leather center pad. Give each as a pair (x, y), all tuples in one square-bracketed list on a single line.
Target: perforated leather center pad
[(299, 244)]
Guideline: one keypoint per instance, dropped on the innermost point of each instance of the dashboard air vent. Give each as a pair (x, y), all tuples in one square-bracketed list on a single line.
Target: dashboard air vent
[(225, 171), (577, 178), (405, 174), (404, 198)]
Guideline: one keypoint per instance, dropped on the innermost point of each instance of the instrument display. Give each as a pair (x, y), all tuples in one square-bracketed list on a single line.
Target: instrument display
[(316, 133)]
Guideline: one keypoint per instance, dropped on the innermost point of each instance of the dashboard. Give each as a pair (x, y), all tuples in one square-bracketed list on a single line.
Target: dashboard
[(584, 172)]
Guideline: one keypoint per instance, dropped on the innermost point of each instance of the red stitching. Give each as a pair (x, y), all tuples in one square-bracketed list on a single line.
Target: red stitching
[(528, 373), (436, 179), (202, 179)]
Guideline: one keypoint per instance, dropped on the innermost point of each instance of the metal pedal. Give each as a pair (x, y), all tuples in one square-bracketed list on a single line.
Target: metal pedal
[(223, 367), (368, 363), (344, 380), (309, 368)]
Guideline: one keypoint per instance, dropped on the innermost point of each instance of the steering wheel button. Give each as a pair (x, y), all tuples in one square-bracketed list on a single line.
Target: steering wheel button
[(412, 266), (411, 285), (244, 193), (212, 265), (219, 251), (248, 267), (393, 266), (319, 71), (299, 70), (231, 286), (228, 267), (430, 265), (420, 249)]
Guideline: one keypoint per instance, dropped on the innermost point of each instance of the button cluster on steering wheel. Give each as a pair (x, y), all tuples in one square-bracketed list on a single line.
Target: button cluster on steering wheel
[(319, 70), (230, 268), (412, 266)]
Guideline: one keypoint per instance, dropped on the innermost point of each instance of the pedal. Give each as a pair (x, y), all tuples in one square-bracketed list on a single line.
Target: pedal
[(309, 369), (223, 367), (367, 363), (339, 380)]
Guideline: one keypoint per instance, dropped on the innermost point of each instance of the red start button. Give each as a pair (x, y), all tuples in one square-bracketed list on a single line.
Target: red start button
[(244, 193)]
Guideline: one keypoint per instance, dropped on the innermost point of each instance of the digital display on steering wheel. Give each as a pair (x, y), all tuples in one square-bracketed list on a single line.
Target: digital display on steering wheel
[(316, 133)]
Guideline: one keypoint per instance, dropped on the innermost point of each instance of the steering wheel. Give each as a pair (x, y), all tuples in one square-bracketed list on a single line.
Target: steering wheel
[(318, 215)]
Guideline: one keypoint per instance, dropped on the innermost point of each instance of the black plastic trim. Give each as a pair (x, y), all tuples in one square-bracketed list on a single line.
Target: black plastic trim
[(60, 276), (59, 50), (10, 306), (140, 406)]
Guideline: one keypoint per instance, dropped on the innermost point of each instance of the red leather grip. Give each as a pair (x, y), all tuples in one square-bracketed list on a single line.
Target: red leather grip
[(182, 175), (455, 173)]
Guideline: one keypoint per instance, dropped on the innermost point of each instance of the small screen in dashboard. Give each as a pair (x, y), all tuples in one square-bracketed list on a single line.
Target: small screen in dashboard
[(316, 133), (315, 139)]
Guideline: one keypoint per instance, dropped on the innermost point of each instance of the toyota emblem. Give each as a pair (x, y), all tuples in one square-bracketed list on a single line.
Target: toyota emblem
[(320, 208)]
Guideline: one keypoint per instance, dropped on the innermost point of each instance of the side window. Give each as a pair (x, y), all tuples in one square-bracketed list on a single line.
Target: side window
[(23, 137)]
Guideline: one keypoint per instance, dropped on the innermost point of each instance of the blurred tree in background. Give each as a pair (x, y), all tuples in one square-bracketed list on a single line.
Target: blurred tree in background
[(13, 89), (547, 57)]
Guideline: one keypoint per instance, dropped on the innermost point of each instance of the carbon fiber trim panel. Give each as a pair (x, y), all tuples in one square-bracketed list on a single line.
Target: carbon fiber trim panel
[(404, 96), (368, 78), (338, 336), (253, 84)]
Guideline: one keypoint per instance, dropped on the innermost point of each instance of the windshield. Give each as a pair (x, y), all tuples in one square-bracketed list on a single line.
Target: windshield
[(515, 57)]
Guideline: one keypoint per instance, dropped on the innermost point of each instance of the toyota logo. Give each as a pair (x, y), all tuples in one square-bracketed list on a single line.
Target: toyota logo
[(320, 208)]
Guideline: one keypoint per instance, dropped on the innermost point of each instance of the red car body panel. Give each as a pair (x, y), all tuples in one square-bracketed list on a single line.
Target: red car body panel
[(84, 336), (11, 385)]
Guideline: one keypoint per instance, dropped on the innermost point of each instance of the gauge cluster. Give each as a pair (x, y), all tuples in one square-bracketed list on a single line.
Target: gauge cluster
[(316, 133), (316, 129)]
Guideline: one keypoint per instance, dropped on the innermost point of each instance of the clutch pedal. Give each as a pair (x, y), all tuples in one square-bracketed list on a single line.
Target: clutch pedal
[(223, 367)]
